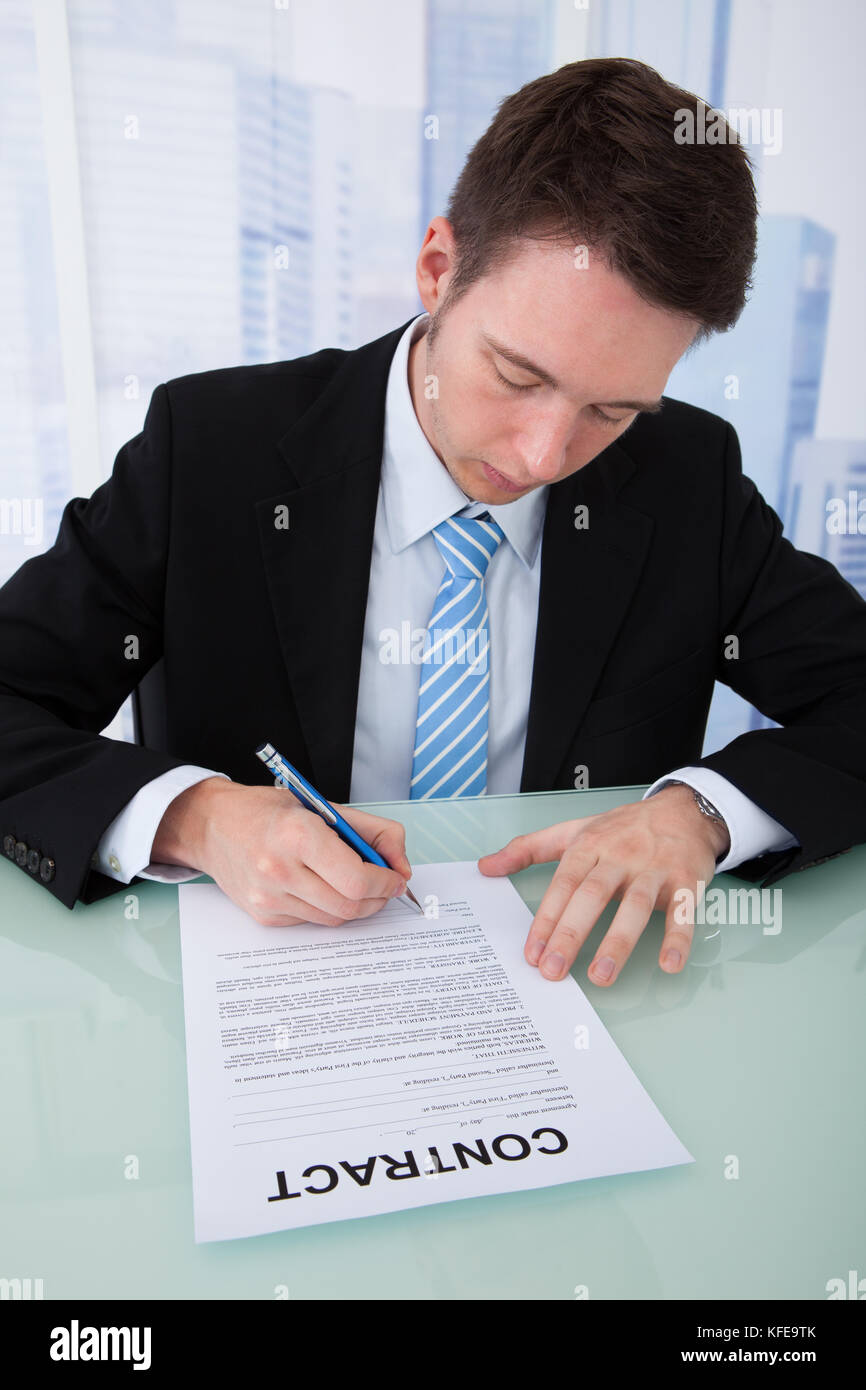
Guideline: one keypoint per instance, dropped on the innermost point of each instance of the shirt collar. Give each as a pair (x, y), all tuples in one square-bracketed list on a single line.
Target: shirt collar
[(419, 492)]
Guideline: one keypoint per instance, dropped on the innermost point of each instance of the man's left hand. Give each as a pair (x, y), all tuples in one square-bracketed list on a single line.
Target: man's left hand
[(641, 854)]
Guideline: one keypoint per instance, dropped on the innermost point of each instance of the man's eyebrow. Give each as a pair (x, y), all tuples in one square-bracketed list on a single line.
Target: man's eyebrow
[(518, 359)]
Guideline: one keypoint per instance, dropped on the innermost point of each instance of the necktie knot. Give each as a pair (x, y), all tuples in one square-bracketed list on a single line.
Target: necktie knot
[(467, 544)]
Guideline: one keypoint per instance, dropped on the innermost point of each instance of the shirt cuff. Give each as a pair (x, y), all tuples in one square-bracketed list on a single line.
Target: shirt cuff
[(124, 849), (752, 831)]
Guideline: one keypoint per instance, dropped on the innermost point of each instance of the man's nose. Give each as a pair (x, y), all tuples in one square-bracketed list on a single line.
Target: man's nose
[(544, 452)]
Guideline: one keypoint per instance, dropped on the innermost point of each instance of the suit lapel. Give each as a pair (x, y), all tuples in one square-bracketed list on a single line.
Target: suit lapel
[(318, 571), (587, 580)]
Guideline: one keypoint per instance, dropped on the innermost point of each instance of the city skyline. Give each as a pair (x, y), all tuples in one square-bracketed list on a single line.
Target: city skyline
[(233, 212)]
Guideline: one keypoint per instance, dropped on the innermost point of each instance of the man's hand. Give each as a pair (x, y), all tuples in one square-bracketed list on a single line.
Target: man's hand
[(641, 854), (279, 862)]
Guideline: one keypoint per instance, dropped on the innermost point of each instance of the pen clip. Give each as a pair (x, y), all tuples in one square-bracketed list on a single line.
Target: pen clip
[(288, 778)]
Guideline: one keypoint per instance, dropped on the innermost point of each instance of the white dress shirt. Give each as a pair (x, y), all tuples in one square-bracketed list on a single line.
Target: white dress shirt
[(416, 493)]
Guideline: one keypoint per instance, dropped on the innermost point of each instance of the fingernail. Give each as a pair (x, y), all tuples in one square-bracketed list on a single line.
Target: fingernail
[(604, 968), (553, 965), (672, 959), (401, 888), (533, 951)]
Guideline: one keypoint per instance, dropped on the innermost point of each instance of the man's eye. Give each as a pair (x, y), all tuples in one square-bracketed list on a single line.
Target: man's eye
[(513, 385), (608, 419), (599, 414)]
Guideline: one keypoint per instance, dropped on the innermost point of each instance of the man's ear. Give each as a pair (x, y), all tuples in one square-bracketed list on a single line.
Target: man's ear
[(435, 264)]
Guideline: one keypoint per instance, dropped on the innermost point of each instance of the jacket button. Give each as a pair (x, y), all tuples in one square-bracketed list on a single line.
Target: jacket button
[(9, 846), (46, 870), (33, 861), (21, 850)]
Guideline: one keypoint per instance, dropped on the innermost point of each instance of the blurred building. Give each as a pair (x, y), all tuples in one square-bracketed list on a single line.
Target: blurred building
[(478, 52), (826, 511), (34, 463)]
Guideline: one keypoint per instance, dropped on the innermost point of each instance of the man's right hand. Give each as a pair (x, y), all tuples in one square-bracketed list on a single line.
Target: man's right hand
[(279, 862)]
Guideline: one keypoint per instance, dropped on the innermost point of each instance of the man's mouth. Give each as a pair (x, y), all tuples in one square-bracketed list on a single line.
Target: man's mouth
[(507, 484)]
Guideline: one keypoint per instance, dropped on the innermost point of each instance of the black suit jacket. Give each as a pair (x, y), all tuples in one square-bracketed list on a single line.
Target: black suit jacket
[(177, 556)]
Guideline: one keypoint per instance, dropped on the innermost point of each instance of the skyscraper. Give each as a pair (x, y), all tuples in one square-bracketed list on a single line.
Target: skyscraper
[(826, 512), (478, 52)]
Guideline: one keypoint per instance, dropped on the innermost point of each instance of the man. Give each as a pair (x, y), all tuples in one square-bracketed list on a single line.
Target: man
[(505, 467)]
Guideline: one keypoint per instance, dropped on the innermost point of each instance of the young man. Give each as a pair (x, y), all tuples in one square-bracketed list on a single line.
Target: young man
[(503, 468)]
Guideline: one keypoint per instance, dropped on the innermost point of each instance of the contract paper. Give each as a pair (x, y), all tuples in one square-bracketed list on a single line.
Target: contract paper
[(395, 1061)]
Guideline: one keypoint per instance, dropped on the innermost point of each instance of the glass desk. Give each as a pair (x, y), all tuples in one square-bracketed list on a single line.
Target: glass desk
[(754, 1054)]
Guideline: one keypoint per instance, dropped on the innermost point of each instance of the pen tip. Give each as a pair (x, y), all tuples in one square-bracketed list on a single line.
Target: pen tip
[(411, 895)]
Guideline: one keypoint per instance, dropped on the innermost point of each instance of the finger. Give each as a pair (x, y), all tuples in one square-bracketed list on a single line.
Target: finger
[(387, 837), (679, 930), (636, 907), (558, 894), (537, 847), (580, 916), (317, 893), (290, 911), (320, 849)]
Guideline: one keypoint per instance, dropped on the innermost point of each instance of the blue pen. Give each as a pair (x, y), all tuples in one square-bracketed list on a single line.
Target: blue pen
[(312, 800)]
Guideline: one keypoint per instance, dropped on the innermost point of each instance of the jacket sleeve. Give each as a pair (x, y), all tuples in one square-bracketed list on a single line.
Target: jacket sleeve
[(792, 641), (80, 625)]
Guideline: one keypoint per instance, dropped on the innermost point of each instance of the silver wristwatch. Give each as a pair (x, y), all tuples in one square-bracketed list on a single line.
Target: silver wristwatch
[(706, 807)]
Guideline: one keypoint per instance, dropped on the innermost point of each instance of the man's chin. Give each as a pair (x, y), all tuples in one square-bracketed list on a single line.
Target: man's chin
[(492, 496)]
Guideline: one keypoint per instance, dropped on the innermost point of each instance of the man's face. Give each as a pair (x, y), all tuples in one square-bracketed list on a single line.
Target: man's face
[(605, 351)]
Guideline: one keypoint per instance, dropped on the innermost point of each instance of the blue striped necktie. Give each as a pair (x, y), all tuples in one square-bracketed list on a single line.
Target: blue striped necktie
[(450, 757)]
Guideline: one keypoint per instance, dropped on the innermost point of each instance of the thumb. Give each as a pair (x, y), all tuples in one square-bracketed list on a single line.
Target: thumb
[(387, 837), (392, 848), (536, 847), (390, 841), (507, 860)]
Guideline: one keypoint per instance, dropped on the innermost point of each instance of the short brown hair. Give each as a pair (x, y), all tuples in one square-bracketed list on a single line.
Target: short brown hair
[(588, 153)]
